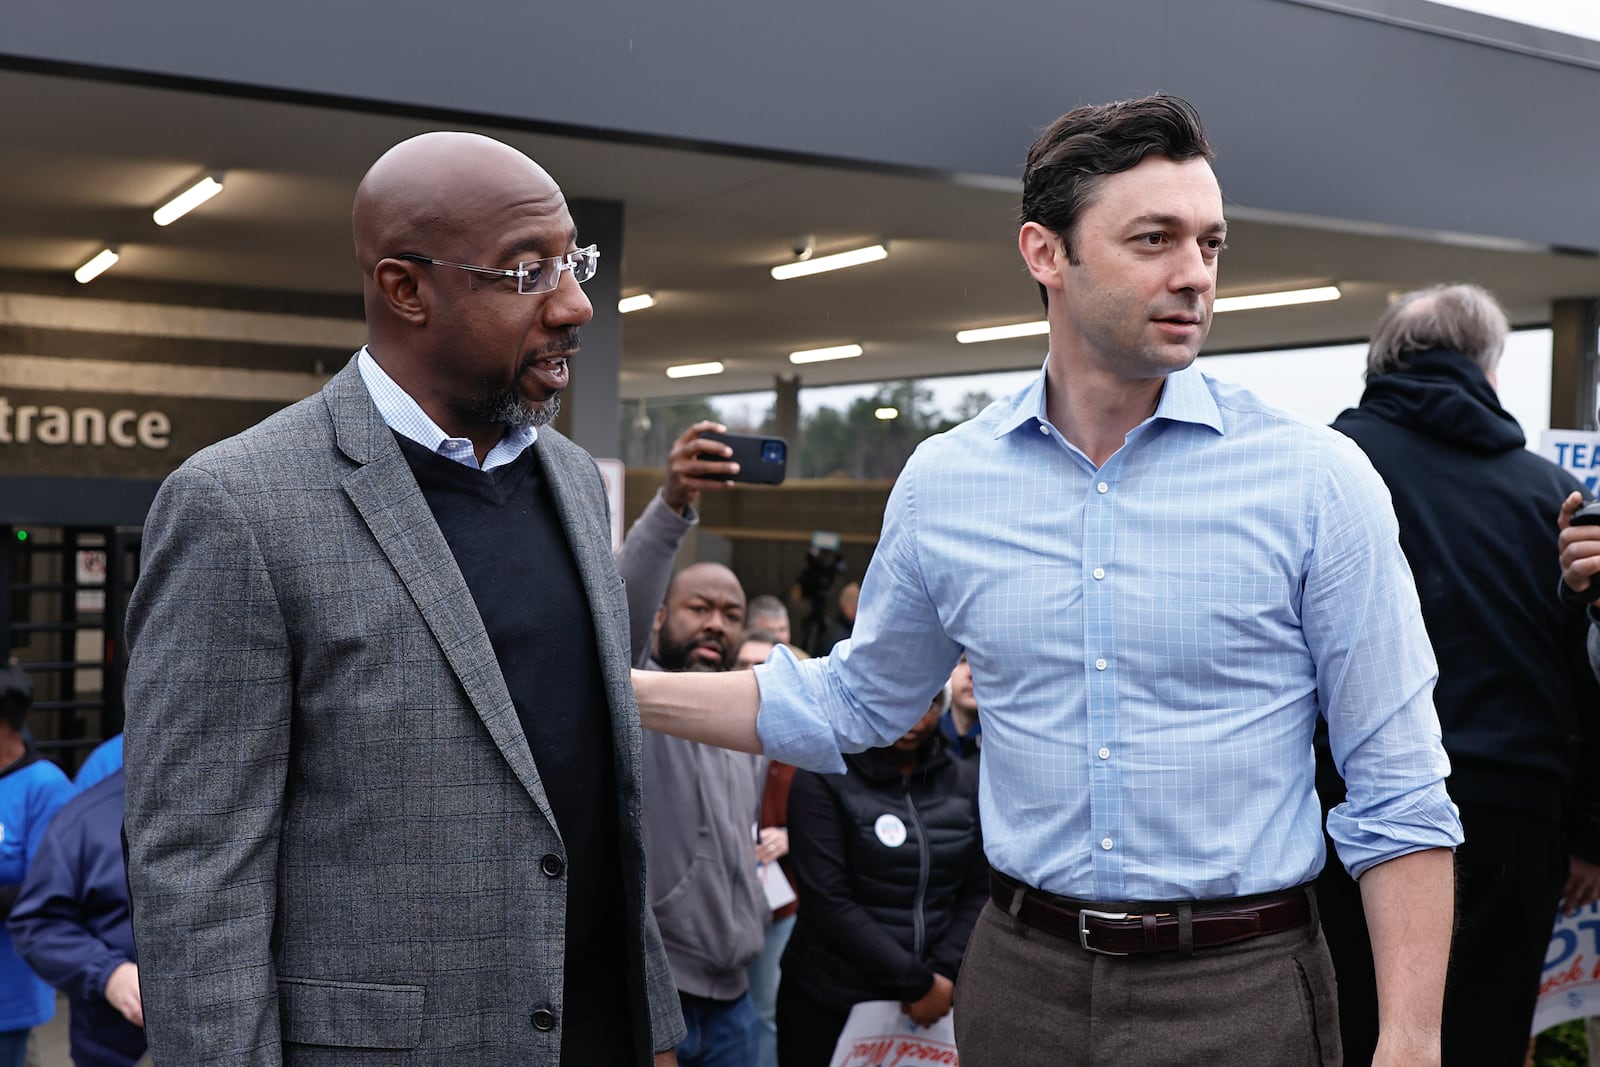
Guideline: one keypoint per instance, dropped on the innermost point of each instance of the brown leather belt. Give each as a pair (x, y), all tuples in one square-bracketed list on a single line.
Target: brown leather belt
[(1178, 927)]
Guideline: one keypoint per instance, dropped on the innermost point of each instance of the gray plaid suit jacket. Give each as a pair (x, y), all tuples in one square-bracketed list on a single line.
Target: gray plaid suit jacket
[(334, 824)]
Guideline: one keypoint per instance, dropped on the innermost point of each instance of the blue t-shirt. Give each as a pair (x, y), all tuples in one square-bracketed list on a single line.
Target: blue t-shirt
[(32, 790), (103, 762)]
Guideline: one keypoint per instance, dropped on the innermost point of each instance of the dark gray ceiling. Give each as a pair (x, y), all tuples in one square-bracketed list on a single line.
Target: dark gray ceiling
[(1421, 159)]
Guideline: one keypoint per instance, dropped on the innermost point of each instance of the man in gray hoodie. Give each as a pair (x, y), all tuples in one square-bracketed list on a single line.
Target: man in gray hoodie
[(700, 809)]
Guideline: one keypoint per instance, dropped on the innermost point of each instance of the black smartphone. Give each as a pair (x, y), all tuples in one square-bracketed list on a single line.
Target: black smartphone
[(761, 459)]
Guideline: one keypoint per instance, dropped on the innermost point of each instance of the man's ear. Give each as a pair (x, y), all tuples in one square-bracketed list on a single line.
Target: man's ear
[(661, 617), (399, 282), (1042, 253)]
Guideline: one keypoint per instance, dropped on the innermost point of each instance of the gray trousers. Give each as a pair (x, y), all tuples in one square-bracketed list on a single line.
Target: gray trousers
[(1032, 999)]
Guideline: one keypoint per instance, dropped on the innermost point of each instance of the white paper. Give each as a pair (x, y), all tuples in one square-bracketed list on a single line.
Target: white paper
[(878, 1034), (776, 883)]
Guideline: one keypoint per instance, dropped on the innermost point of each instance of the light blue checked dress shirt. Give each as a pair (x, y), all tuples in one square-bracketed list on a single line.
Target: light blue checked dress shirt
[(1150, 643), (405, 416)]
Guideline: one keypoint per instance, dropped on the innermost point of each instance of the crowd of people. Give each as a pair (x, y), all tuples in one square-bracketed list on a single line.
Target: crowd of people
[(419, 771)]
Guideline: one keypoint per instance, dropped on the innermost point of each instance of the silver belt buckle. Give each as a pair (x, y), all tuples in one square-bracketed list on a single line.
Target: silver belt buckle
[(1084, 915)]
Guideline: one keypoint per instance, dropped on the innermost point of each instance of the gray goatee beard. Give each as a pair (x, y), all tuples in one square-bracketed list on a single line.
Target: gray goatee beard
[(511, 410)]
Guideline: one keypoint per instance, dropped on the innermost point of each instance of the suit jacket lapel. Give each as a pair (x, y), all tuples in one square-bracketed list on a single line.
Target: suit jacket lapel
[(385, 493)]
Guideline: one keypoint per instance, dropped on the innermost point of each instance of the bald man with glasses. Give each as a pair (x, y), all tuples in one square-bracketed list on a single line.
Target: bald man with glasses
[(382, 753)]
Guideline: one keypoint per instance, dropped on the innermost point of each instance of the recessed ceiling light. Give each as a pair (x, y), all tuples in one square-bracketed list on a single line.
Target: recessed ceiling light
[(838, 261), (636, 303), (822, 355), (1003, 333), (188, 200), (103, 261), (694, 370), (1280, 299)]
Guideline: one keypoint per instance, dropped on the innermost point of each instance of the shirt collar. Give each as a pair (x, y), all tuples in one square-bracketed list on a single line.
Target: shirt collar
[(402, 414), (1186, 397)]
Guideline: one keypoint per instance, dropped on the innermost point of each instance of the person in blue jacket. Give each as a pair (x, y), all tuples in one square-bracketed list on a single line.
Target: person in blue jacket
[(102, 762), (71, 924), (32, 789)]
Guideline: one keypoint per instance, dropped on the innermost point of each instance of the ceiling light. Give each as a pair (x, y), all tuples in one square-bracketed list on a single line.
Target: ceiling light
[(1276, 300), (837, 261), (636, 303), (822, 355), (1003, 333), (694, 370), (885, 414), (102, 262), (189, 199)]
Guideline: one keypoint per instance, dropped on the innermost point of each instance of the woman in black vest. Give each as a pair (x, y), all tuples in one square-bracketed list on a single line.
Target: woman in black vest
[(889, 866)]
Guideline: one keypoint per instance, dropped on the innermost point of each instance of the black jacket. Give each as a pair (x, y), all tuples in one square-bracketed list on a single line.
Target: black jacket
[(1477, 515), (878, 918)]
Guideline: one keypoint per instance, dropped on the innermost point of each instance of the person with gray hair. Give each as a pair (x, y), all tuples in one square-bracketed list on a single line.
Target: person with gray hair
[(1459, 317), (1478, 516), (768, 613)]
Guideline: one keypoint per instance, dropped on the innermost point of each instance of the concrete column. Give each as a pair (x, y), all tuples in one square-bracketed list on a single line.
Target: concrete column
[(589, 406), (1575, 330), (786, 415)]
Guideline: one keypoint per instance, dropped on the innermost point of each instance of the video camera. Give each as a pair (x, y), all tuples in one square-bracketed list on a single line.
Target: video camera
[(824, 564)]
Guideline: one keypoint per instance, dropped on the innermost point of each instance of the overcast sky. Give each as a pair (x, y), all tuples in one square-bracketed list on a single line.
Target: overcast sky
[(1581, 18)]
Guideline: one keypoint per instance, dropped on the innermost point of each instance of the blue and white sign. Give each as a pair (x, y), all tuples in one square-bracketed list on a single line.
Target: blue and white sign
[(1575, 451), (1569, 987)]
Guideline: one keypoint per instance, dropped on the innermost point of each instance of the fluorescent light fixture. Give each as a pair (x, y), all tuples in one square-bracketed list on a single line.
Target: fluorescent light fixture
[(822, 355), (694, 370), (1003, 333), (636, 303), (188, 200), (1275, 300), (102, 262), (838, 261), (885, 414)]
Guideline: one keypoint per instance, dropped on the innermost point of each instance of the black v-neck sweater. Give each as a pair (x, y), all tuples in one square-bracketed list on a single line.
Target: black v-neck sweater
[(503, 528)]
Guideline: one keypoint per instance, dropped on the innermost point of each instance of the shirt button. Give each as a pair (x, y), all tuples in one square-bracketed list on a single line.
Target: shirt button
[(1104, 753), (544, 1019), (1099, 664), (1102, 488), (552, 865), (1105, 843), (1099, 573), (1045, 430)]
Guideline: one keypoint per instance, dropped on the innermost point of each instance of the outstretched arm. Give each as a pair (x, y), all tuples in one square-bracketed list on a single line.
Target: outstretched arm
[(712, 708)]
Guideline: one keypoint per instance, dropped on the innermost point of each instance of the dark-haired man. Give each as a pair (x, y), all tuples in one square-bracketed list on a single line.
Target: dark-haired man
[(1175, 581), (383, 764), (701, 805)]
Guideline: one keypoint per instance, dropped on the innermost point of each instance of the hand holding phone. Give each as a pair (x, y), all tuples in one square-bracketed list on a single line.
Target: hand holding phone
[(692, 468), (762, 460)]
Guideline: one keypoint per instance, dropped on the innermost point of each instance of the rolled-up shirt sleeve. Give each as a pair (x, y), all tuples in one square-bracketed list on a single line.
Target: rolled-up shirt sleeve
[(1375, 675), (874, 686)]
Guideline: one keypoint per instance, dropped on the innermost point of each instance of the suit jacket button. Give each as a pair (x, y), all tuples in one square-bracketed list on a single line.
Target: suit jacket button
[(544, 1019), (552, 865)]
